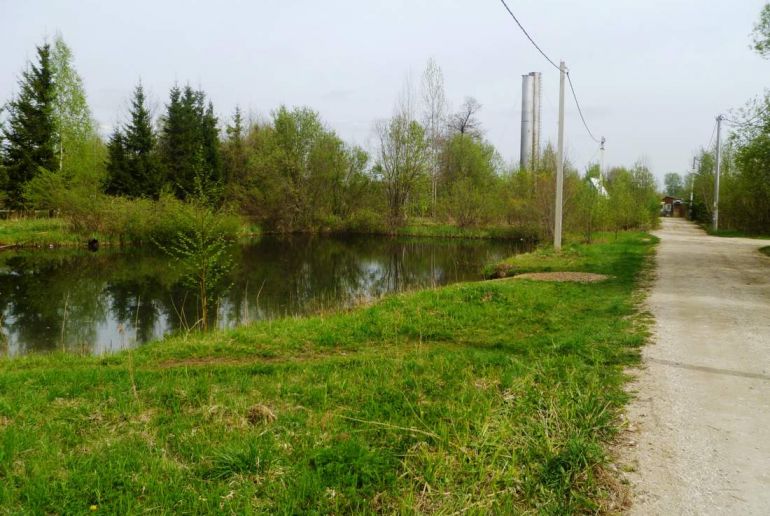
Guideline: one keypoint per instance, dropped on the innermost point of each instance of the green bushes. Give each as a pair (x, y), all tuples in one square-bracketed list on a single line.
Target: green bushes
[(138, 221)]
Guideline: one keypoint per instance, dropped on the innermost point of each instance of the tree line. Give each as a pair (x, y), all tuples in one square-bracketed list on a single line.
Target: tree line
[(291, 172), (744, 186)]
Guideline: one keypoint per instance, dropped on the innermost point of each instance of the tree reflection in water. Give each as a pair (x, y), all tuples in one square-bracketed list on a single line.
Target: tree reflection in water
[(116, 299)]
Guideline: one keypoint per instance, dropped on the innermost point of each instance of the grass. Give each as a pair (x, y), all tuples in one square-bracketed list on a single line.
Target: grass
[(492, 397), (37, 233), (59, 233), (765, 250), (574, 256), (732, 233), (427, 228)]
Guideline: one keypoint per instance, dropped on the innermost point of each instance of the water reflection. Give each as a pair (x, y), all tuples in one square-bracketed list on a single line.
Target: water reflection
[(102, 302)]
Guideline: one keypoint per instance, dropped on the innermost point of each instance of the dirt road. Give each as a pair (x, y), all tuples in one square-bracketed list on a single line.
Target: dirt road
[(700, 426)]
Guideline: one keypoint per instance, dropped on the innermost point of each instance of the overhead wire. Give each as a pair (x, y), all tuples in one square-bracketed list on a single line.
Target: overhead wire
[(713, 132), (580, 111), (553, 63), (529, 37)]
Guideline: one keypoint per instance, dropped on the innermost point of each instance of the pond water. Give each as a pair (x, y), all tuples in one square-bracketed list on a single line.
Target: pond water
[(102, 302)]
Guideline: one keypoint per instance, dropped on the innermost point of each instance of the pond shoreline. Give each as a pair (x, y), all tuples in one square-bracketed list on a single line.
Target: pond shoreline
[(55, 233), (505, 393), (121, 296)]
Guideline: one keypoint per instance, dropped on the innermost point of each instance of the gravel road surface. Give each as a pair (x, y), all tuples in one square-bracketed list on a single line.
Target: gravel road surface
[(699, 434)]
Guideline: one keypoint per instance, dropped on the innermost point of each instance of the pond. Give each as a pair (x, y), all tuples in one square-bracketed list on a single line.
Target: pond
[(75, 300)]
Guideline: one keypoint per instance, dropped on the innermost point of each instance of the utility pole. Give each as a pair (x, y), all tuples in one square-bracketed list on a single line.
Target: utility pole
[(559, 163), (719, 166), (601, 164), (692, 184)]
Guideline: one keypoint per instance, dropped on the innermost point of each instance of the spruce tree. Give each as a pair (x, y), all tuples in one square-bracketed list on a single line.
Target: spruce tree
[(179, 140), (189, 145), (132, 165), (140, 149), (234, 154), (210, 144), (29, 134), (119, 179)]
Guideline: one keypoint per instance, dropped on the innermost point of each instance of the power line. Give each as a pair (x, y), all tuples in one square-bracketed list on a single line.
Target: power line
[(528, 36), (713, 131), (580, 111), (551, 61)]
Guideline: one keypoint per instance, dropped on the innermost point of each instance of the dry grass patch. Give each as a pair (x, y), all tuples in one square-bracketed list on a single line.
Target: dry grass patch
[(577, 277)]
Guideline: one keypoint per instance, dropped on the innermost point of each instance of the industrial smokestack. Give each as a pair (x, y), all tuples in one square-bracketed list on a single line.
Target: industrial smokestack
[(527, 105), (536, 95), (530, 120)]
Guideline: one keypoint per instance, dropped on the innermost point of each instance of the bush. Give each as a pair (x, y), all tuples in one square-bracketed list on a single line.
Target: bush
[(139, 221), (365, 221)]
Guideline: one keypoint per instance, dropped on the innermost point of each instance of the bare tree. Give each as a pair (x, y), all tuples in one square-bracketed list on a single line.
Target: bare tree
[(403, 161), (465, 121), (434, 121)]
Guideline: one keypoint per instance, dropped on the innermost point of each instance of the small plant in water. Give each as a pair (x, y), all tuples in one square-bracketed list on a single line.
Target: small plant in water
[(201, 250)]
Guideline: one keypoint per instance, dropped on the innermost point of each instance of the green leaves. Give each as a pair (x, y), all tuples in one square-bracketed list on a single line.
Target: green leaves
[(761, 33)]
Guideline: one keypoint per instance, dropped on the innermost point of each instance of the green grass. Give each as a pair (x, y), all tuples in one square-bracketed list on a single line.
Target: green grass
[(496, 397), (573, 256), (426, 228), (37, 232), (57, 232), (765, 250), (733, 233)]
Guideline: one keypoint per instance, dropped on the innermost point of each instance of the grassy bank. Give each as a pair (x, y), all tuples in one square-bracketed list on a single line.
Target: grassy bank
[(37, 233), (497, 396), (732, 233), (131, 230), (452, 231)]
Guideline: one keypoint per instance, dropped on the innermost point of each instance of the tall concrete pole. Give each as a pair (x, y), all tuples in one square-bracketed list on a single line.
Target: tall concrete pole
[(559, 163), (526, 121), (719, 167), (601, 162), (536, 97), (692, 184)]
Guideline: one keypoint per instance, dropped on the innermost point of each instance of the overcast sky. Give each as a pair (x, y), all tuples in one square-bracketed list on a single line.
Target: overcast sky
[(651, 74)]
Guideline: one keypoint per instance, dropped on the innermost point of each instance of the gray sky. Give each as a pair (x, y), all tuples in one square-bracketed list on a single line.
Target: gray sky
[(651, 74)]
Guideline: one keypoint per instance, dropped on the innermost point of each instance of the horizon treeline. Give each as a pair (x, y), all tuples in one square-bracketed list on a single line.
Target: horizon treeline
[(744, 186), (291, 172)]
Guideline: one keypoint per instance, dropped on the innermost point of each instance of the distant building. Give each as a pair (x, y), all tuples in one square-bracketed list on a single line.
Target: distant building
[(672, 207)]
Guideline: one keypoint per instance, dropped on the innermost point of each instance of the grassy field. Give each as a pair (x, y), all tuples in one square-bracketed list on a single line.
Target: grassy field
[(491, 397)]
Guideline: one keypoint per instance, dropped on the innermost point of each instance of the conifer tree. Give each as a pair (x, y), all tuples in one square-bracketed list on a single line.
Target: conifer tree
[(29, 134), (210, 144), (234, 154), (119, 180), (132, 162), (189, 142), (178, 141)]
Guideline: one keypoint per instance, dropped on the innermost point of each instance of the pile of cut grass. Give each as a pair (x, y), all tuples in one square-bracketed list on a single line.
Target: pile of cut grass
[(493, 397)]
